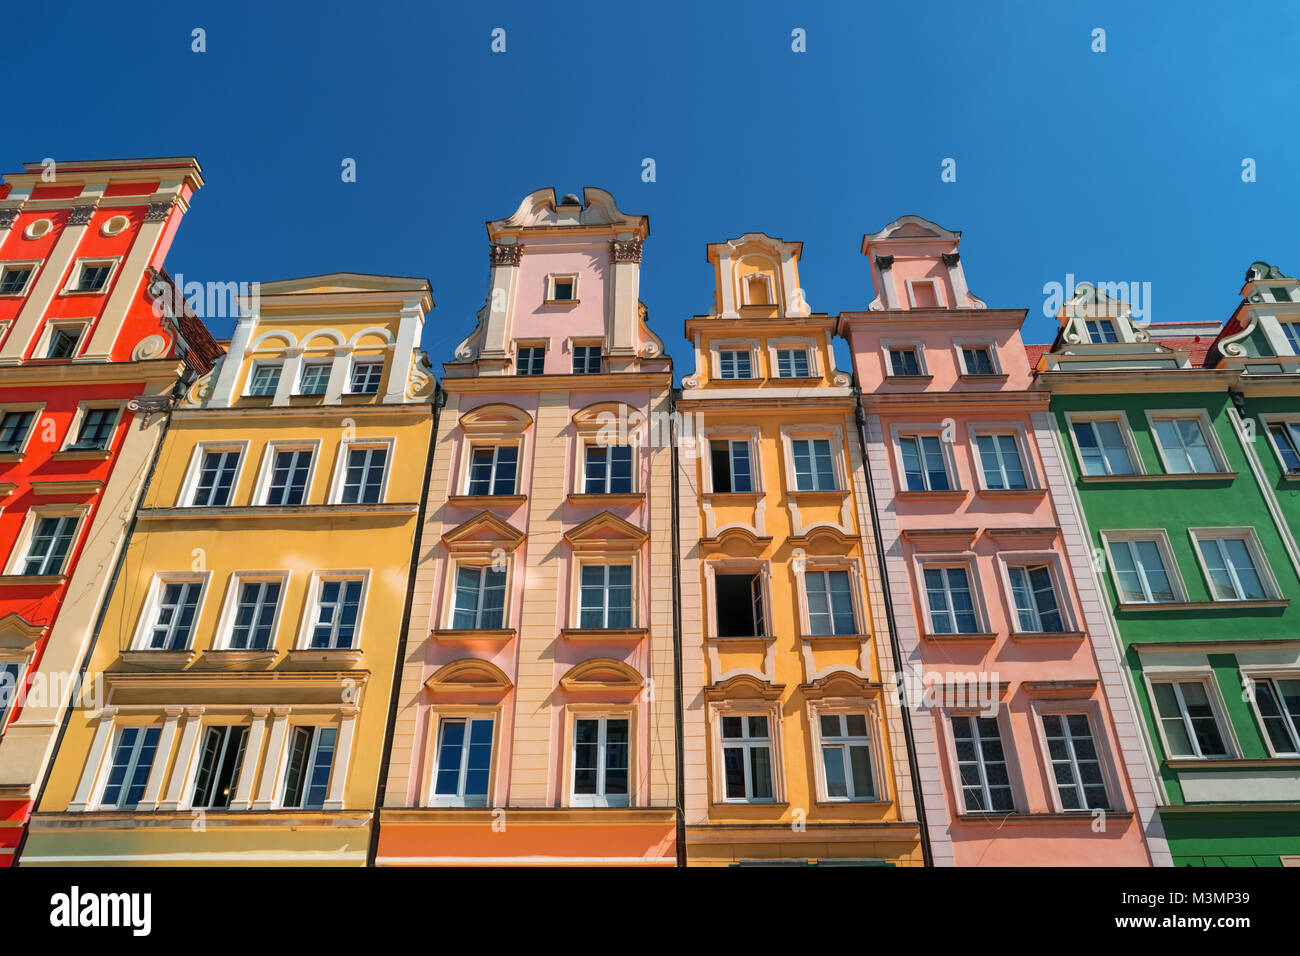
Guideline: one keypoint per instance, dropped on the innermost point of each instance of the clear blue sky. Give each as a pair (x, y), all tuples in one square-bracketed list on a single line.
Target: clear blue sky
[(1115, 166)]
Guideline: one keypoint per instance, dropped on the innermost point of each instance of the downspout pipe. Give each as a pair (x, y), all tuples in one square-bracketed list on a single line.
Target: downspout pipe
[(674, 438)]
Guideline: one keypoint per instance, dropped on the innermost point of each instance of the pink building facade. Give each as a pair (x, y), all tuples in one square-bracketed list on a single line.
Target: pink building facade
[(1027, 744)]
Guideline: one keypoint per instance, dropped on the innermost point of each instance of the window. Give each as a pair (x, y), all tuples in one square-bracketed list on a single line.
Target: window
[(1285, 435), (366, 376), (264, 380), (338, 609), (311, 755), (735, 363), (315, 379), (1187, 718), (1230, 566), (464, 762), (606, 596), (600, 761), (586, 359), (363, 478), (792, 363), (608, 470), (480, 599), (492, 470), (1102, 332), (846, 757), (952, 610), (1277, 699), (1075, 765), (49, 545), (985, 779), (563, 288), (1141, 576), (11, 673), (530, 360), (1000, 462), (129, 771), (223, 755), (14, 427), (1185, 447), (747, 759), (255, 612), (830, 603), (729, 459), (1292, 332), (1034, 595), (904, 362), (814, 469), (977, 360), (174, 618), (756, 291), (739, 605), (923, 466), (63, 343), (92, 277), (925, 294), (13, 279), (1280, 293), (290, 469), (96, 429), (1102, 449), (216, 478)]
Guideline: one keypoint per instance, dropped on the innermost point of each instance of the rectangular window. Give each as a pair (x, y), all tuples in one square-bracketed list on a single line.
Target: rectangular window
[(562, 288), (13, 279), (739, 604), (216, 478), (255, 615), (1034, 594), (365, 377), (222, 756), (1102, 449), (337, 608), (311, 756), (1278, 700), (923, 466), (480, 599), (1000, 462), (1187, 718), (264, 381), (830, 603), (14, 427), (1185, 446), (492, 470), (129, 771), (747, 759), (11, 673), (925, 294), (586, 359), (735, 364), (63, 343), (792, 363), (530, 360), (289, 471), (464, 762), (601, 752), (846, 757), (1102, 332), (904, 362), (1285, 435), (1292, 332), (1075, 764), (1140, 572), (92, 277), (96, 429), (49, 545), (178, 604), (985, 780), (952, 611), (977, 360), (1231, 569), (607, 470), (363, 480), (814, 469), (315, 379), (606, 596), (731, 466)]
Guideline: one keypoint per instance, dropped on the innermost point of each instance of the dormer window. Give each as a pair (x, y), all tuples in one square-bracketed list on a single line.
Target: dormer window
[(904, 361), (758, 290), (735, 363), (1102, 332), (563, 288), (924, 293)]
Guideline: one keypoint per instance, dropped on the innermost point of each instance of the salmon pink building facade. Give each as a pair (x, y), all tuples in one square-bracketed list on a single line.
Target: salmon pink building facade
[(1027, 743)]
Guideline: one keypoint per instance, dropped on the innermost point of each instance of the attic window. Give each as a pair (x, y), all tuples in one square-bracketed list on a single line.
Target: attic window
[(757, 290), (925, 294), (1102, 332), (739, 601), (564, 289)]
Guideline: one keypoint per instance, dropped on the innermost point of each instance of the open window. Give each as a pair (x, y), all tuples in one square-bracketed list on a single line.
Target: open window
[(739, 602)]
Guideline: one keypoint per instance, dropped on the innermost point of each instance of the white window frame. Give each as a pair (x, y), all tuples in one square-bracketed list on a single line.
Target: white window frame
[(1255, 673), (552, 279), (78, 418), (1292, 424), (313, 363), (230, 607), (80, 265), (601, 799), (266, 472), (346, 447), (843, 707), (1023, 448), (366, 360), (716, 349), (473, 445), (899, 431), (253, 367), (933, 283), (480, 564), (744, 710), (61, 325), (106, 767), (531, 345), (1047, 707), (629, 559), (766, 277), (586, 445), (193, 472), (1200, 675), (468, 715), (596, 344), (33, 264), (18, 556), (730, 434), (1159, 537), (1207, 432), (1028, 560), (1010, 757), (1272, 591), (153, 603), (315, 585), (748, 566), (1125, 433), (966, 560), (989, 345), (282, 776), (36, 409), (850, 565), (1108, 319), (809, 346), (916, 345)]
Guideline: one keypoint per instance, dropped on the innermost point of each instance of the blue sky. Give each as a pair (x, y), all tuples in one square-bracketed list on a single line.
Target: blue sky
[(1117, 166)]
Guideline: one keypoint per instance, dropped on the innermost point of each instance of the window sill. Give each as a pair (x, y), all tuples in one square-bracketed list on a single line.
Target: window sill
[(82, 454), (309, 655), (1202, 605), (732, 497), (608, 635), (827, 638), (909, 379), (733, 381), (1037, 636), (152, 658), (873, 802), (1201, 763), (42, 489), (276, 511), (796, 379), (231, 657), (1147, 478), (821, 494), (756, 804), (999, 817), (461, 635), (485, 501), (950, 494), (940, 638), (614, 498), (32, 580), (560, 302), (1011, 492), (7, 488), (998, 378), (12, 456), (741, 639)]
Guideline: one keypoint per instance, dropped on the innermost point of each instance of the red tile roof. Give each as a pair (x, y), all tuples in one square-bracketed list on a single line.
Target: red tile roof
[(1197, 345), (1034, 353)]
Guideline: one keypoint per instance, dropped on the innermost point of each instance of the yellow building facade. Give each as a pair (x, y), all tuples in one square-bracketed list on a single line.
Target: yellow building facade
[(793, 745), (239, 686)]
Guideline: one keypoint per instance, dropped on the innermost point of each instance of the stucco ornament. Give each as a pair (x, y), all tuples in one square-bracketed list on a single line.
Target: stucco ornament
[(417, 382), (149, 347)]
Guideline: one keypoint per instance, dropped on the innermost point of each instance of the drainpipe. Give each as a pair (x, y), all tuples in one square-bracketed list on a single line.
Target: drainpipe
[(439, 400), (860, 417), (677, 634)]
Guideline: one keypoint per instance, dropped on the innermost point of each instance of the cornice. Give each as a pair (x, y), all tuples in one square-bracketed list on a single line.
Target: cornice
[(92, 373), (1108, 381)]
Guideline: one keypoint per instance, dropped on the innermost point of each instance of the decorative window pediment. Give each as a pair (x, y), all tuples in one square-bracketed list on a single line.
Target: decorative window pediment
[(602, 674), (19, 634), (744, 687), (483, 534), (495, 421), (468, 675), (605, 532)]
